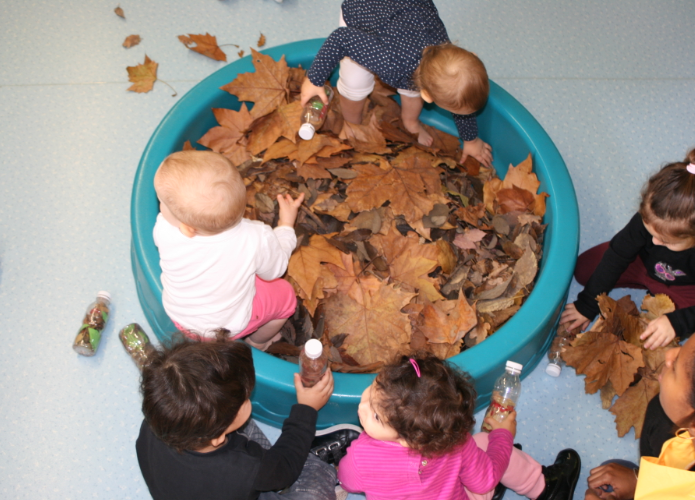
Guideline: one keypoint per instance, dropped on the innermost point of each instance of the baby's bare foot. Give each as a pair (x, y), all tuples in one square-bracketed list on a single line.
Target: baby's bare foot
[(423, 137)]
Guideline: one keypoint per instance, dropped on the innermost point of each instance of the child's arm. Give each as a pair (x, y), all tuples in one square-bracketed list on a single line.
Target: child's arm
[(283, 462), (574, 318), (289, 209), (479, 150), (309, 90)]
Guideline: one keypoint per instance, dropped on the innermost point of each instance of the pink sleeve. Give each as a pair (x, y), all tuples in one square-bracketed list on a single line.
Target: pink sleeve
[(348, 475), (482, 470)]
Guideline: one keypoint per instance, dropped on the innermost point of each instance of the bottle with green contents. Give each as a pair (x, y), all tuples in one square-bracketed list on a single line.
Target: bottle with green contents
[(314, 114), (95, 319), (137, 344)]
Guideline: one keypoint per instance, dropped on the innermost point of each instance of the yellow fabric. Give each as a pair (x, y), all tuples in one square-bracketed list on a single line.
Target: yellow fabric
[(667, 477)]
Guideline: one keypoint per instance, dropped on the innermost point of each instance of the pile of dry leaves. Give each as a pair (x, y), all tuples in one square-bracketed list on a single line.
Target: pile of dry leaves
[(612, 357), (399, 246)]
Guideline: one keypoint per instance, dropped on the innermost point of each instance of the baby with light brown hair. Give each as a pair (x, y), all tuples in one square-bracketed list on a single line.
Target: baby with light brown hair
[(407, 46), (218, 268)]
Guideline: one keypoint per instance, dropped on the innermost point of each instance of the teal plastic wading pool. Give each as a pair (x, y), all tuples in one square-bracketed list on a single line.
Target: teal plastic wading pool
[(504, 123)]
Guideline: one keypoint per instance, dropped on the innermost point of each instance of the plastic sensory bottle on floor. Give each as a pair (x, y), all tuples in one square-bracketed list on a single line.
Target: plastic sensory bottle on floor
[(313, 362), (137, 344), (555, 362), (314, 114), (94, 322), (504, 394)]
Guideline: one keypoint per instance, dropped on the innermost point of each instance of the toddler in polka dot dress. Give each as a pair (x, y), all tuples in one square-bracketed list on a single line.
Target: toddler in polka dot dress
[(405, 43)]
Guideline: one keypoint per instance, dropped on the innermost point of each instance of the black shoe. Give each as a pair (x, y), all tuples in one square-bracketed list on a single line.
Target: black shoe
[(330, 444), (562, 476), (501, 489)]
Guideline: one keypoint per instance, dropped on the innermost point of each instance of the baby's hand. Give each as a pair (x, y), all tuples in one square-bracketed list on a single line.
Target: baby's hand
[(309, 90), (316, 396), (660, 331), (479, 150), (289, 209), (508, 423), (574, 318)]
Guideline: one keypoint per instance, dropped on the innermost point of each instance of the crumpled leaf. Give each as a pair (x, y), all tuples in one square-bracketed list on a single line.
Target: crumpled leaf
[(204, 44), (131, 41), (261, 41), (657, 305), (143, 76), (630, 408), (119, 12)]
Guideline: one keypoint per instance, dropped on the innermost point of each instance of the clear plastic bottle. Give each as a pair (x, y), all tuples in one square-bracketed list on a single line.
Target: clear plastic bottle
[(137, 344), (504, 394), (314, 114), (94, 322), (313, 362), (555, 362)]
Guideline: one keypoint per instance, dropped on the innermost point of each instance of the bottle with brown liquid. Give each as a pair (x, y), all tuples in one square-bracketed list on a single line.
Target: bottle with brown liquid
[(313, 362), (314, 114), (504, 394), (93, 323)]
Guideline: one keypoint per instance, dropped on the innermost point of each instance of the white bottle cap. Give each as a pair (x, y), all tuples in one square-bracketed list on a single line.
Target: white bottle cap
[(306, 131), (313, 348), (104, 295), (553, 370), (517, 367)]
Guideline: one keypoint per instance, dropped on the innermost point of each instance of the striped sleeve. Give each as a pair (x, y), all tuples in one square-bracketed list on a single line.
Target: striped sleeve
[(481, 470)]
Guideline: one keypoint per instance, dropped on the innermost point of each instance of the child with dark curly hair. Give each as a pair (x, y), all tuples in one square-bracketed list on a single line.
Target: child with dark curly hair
[(417, 416)]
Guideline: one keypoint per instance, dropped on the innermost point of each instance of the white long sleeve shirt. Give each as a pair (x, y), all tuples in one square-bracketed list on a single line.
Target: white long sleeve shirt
[(209, 281)]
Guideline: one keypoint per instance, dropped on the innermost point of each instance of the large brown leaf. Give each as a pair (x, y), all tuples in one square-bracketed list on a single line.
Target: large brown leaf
[(233, 126), (266, 87), (630, 408), (305, 264), (377, 328), (447, 321), (602, 357)]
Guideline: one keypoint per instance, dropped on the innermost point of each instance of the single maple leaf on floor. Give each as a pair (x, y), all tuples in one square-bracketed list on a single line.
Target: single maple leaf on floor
[(204, 44), (119, 12), (143, 76), (131, 41), (377, 328), (266, 87), (602, 357)]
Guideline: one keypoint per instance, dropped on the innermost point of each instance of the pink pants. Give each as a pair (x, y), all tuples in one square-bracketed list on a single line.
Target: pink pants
[(635, 276), (273, 300), (523, 475)]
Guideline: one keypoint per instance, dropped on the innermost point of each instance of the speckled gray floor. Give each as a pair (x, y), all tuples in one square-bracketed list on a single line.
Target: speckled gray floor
[(613, 83)]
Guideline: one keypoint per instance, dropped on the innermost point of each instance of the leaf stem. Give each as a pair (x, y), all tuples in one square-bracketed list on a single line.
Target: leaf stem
[(226, 44), (172, 88)]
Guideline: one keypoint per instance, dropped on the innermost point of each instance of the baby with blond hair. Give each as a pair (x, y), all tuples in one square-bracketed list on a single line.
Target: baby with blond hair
[(219, 269)]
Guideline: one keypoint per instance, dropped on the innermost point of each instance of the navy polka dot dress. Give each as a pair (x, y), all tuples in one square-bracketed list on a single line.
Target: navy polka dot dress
[(387, 37)]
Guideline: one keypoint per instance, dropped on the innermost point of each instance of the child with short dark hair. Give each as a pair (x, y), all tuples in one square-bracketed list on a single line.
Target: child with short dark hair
[(417, 417), (405, 43), (655, 251), (197, 440)]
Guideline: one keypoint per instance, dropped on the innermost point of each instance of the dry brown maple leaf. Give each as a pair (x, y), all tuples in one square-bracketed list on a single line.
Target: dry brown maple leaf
[(261, 40), (621, 318), (409, 261), (143, 76), (657, 305), (377, 328), (131, 41), (404, 184), (447, 321), (305, 263), (602, 357), (266, 87), (630, 408), (204, 44), (233, 126), (119, 12)]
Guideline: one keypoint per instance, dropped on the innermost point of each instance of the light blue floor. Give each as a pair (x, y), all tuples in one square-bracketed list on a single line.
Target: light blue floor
[(613, 83)]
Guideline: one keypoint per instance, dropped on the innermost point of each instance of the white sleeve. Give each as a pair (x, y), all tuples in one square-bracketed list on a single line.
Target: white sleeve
[(277, 246)]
